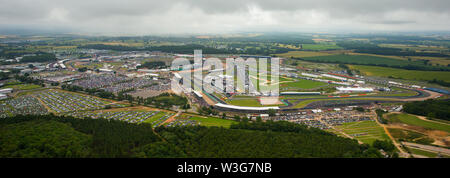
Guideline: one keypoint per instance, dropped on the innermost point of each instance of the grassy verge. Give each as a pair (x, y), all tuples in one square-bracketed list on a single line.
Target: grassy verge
[(415, 121)]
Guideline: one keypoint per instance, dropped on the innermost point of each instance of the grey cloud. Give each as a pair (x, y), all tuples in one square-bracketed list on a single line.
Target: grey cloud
[(212, 16)]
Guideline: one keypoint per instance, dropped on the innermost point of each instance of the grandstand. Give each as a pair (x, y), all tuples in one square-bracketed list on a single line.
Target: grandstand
[(222, 106), (438, 90), (300, 93)]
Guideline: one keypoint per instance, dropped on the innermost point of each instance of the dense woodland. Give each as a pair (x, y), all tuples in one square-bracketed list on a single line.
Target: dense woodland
[(186, 49), (362, 47), (249, 48), (153, 65), (57, 136), (166, 100), (439, 109), (44, 57)]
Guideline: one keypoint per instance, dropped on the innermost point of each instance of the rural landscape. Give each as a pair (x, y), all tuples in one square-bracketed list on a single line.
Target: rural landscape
[(352, 94)]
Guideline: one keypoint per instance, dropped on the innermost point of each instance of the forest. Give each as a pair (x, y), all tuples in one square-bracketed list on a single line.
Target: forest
[(369, 48), (44, 57), (439, 109), (153, 65), (53, 136)]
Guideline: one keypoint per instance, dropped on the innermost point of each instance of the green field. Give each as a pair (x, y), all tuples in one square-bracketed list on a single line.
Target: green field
[(285, 79), (422, 152), (368, 60), (302, 54), (319, 47), (402, 73), (245, 102), (370, 131), (155, 117), (304, 103), (302, 84), (252, 102), (22, 86), (410, 136), (413, 120), (213, 121), (426, 153)]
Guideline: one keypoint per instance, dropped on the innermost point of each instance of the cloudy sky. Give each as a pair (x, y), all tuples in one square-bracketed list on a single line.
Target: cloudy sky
[(211, 16)]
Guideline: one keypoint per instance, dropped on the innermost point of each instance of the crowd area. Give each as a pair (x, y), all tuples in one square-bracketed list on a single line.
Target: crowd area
[(127, 116), (341, 120), (324, 120), (132, 84), (183, 123), (23, 105), (159, 121), (116, 83), (68, 102), (99, 81)]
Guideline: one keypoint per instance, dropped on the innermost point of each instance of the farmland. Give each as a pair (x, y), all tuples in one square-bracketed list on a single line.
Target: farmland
[(296, 54), (318, 47), (371, 60), (402, 73)]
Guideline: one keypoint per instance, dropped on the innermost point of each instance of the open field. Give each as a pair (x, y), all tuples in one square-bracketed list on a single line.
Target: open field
[(422, 152), (364, 131), (296, 54), (251, 102), (415, 121), (301, 84), (444, 61), (410, 136), (22, 86), (417, 48), (304, 103), (318, 47), (366, 60), (402, 73), (213, 121)]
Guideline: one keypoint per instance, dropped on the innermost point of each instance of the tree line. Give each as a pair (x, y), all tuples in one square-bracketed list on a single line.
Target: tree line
[(63, 136), (439, 109)]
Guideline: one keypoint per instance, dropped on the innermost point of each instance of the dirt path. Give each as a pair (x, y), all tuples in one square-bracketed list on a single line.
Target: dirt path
[(172, 118), (42, 102), (403, 153), (425, 119)]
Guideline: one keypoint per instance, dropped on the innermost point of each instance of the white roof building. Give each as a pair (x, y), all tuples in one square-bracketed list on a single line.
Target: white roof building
[(245, 108), (354, 89), (6, 90), (3, 96)]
